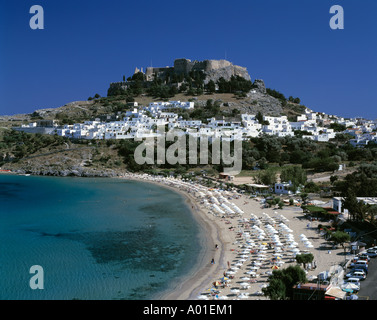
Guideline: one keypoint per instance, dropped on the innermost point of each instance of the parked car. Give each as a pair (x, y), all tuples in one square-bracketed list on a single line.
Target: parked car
[(357, 270), (363, 256), (372, 250), (372, 253), (362, 260), (359, 263), (360, 268), (356, 274)]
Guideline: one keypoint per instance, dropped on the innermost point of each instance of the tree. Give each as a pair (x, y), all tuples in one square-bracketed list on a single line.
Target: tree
[(340, 237), (297, 100), (304, 258), (183, 87), (211, 86), (276, 290), (350, 203), (304, 197), (333, 179), (372, 212), (282, 282), (295, 174), (267, 177), (259, 117)]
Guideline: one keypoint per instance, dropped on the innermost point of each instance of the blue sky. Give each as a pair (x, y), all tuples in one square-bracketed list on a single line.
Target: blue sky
[(289, 44)]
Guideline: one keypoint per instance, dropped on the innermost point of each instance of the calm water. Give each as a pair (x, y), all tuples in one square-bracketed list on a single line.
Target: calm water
[(94, 238)]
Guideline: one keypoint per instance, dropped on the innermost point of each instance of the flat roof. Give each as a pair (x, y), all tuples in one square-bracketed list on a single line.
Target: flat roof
[(257, 185), (312, 286)]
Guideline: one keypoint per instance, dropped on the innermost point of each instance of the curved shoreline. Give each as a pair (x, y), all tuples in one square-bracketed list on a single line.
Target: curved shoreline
[(189, 286), (229, 232)]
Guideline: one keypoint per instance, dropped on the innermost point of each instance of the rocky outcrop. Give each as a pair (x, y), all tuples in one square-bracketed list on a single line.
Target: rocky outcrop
[(226, 72), (254, 102), (259, 86)]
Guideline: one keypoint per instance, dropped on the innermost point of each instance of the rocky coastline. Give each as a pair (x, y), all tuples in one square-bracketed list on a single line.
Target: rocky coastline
[(69, 172)]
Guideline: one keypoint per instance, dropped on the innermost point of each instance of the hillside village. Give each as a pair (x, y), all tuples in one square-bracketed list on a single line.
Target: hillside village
[(142, 122), (258, 110)]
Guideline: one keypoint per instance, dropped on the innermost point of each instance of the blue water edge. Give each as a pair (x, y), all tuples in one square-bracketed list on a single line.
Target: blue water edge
[(95, 238)]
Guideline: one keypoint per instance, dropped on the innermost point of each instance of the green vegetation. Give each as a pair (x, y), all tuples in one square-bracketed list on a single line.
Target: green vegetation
[(304, 258), (20, 144), (361, 183), (339, 237), (167, 86), (295, 174), (281, 282), (234, 85)]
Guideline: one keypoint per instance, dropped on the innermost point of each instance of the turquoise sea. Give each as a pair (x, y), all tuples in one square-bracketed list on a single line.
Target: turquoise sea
[(95, 238)]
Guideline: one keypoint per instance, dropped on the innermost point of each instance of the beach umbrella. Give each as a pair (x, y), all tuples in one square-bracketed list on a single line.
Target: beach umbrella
[(274, 267), (242, 296), (245, 278), (349, 286), (202, 297), (224, 279), (223, 298), (235, 290)]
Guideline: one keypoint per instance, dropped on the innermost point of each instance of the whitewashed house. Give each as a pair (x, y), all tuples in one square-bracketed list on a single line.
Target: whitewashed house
[(283, 188)]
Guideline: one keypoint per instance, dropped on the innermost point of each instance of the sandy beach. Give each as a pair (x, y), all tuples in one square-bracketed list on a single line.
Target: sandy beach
[(251, 241)]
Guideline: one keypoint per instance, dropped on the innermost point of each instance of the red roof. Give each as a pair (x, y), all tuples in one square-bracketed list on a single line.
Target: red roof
[(333, 212)]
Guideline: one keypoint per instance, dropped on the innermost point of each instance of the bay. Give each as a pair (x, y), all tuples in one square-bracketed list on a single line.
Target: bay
[(95, 238)]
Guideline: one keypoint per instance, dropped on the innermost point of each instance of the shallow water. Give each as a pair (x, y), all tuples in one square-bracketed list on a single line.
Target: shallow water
[(94, 238)]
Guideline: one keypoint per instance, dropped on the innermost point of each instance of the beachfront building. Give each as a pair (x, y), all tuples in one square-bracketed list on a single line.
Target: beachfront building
[(337, 204), (283, 188)]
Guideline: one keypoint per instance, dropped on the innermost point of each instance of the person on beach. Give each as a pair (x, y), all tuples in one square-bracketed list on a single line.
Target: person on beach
[(213, 261), (216, 246)]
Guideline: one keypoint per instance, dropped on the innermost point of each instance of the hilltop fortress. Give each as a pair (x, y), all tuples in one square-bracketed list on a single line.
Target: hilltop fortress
[(213, 69)]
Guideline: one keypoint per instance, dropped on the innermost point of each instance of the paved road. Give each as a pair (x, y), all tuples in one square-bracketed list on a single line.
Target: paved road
[(368, 287)]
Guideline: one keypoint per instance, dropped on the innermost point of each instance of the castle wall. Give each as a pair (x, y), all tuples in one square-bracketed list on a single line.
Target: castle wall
[(213, 69)]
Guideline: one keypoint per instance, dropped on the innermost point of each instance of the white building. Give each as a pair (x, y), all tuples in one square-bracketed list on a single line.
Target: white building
[(283, 188), (279, 126)]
